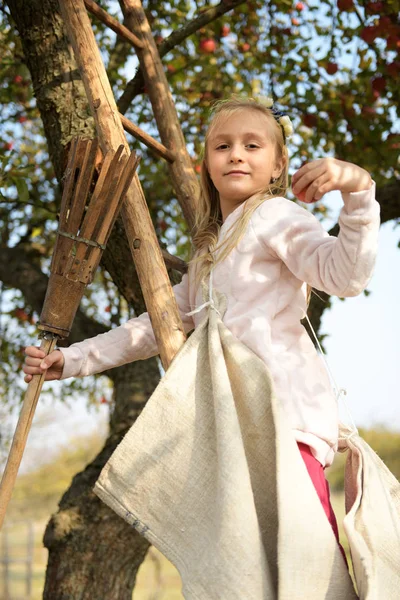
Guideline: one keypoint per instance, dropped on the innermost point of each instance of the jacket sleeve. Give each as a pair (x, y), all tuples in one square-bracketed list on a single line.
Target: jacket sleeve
[(134, 340), (340, 266)]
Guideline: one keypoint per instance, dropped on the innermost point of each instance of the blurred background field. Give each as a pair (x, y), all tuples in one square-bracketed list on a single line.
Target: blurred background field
[(37, 494), (157, 578), (35, 498)]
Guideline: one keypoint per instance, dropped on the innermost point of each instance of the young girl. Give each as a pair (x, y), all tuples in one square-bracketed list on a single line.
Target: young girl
[(265, 251)]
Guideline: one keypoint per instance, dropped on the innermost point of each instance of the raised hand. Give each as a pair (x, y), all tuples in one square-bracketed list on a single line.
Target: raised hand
[(36, 364), (316, 178)]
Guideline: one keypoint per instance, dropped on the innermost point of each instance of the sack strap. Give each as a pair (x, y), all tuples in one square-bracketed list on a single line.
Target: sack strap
[(210, 301), (339, 392)]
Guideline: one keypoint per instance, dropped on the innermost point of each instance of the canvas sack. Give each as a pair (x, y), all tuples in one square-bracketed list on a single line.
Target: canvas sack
[(211, 475)]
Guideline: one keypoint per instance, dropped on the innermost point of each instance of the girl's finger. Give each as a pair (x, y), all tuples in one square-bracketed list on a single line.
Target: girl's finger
[(324, 189), (305, 168), (33, 362), (314, 189), (34, 351), (307, 177), (32, 370), (50, 359), (27, 378)]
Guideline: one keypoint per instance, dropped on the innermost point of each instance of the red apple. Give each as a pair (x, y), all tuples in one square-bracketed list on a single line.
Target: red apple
[(378, 84), (18, 79), (163, 226), (21, 314), (332, 68), (197, 169), (22, 119), (393, 42), (206, 96), (370, 33), (107, 309), (208, 46), (225, 30), (393, 69), (8, 146), (309, 120), (295, 21), (374, 8), (244, 47), (171, 69), (393, 140), (344, 5), (368, 110), (384, 25), (300, 6)]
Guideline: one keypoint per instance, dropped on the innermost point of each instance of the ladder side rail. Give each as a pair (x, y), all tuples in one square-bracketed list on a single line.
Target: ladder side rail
[(153, 276), (183, 176)]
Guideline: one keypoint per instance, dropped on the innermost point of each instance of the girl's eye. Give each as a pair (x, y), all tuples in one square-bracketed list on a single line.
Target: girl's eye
[(252, 146), (222, 146)]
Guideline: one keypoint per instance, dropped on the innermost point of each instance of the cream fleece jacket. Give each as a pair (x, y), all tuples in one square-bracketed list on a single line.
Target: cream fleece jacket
[(264, 280)]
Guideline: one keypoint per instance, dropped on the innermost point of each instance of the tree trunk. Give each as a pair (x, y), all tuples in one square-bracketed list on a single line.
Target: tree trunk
[(93, 553)]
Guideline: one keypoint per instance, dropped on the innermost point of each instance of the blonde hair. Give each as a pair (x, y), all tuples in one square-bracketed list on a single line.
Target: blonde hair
[(209, 217)]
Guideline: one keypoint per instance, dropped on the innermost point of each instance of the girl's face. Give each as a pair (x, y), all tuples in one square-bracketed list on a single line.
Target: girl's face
[(241, 157)]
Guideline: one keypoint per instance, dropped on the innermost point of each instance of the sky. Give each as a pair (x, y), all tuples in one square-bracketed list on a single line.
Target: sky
[(363, 347)]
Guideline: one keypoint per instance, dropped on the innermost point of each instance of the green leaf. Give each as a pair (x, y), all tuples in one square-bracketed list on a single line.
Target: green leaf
[(22, 188)]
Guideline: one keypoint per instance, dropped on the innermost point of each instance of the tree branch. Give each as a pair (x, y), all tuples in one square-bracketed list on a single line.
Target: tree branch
[(135, 86)]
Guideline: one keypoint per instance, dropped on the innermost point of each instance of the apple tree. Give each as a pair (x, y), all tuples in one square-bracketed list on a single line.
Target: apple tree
[(333, 66)]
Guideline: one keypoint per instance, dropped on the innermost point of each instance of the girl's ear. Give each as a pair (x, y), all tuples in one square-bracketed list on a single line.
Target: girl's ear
[(280, 164)]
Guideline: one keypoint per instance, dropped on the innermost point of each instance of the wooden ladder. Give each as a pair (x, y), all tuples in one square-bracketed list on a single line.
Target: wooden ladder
[(110, 125)]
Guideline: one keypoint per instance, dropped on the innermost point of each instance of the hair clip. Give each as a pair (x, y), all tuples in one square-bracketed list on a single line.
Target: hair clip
[(280, 116)]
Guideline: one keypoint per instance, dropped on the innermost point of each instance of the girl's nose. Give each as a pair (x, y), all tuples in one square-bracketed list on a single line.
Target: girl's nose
[(236, 155)]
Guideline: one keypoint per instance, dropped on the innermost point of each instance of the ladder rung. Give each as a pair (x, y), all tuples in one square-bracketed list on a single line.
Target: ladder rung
[(113, 24), (144, 137)]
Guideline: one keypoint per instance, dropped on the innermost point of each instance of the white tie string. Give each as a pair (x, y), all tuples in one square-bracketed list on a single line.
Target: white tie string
[(339, 392), (210, 301)]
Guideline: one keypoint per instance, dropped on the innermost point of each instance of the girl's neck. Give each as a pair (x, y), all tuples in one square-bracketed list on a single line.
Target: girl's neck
[(228, 207)]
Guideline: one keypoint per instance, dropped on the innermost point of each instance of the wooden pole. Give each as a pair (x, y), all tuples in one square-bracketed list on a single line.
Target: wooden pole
[(22, 430), (181, 171), (158, 295)]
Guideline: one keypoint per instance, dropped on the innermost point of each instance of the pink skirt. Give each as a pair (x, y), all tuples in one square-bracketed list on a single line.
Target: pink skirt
[(316, 472)]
